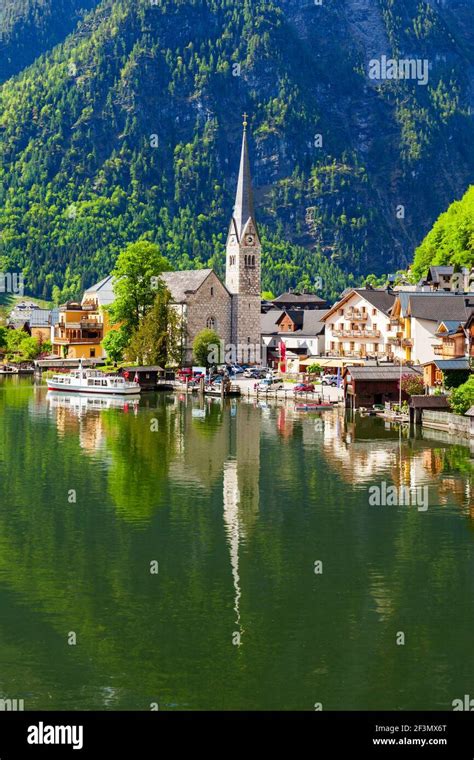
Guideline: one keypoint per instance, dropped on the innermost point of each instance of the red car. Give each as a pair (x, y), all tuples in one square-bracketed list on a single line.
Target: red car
[(304, 388)]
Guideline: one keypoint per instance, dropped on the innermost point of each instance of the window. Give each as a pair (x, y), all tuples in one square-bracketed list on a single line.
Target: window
[(374, 312), (92, 352), (211, 323), (212, 291)]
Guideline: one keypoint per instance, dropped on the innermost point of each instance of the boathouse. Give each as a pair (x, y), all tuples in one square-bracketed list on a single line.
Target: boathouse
[(366, 386)]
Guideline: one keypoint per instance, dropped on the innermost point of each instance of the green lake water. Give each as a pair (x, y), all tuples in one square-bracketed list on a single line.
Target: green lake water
[(234, 505)]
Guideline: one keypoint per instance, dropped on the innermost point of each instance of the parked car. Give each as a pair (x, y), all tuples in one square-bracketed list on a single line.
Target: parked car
[(270, 384), (328, 380), (304, 388), (185, 373), (236, 369), (254, 373)]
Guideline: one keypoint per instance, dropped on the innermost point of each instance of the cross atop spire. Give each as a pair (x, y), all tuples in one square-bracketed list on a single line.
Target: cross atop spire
[(244, 209)]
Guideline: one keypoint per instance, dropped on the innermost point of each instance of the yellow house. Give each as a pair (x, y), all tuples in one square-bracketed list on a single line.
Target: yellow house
[(78, 332), (81, 327)]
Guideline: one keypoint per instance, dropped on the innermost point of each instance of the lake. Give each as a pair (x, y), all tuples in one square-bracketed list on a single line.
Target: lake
[(186, 555)]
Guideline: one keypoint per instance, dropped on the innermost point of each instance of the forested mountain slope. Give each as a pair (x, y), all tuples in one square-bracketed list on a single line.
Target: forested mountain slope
[(132, 127), (31, 27)]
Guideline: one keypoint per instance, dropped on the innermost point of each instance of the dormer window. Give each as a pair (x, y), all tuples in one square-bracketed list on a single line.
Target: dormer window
[(211, 323)]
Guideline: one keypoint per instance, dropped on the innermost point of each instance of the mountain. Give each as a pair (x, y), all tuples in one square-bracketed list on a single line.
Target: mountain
[(451, 241), (130, 126), (31, 27)]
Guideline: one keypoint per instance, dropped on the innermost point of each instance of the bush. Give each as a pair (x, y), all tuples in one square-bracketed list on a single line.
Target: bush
[(462, 397), (412, 385)]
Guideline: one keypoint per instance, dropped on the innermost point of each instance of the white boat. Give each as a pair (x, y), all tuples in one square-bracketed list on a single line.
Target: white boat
[(92, 381)]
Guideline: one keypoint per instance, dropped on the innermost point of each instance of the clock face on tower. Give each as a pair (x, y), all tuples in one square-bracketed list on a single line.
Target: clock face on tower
[(250, 240)]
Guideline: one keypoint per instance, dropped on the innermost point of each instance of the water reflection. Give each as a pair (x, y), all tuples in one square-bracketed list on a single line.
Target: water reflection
[(236, 501)]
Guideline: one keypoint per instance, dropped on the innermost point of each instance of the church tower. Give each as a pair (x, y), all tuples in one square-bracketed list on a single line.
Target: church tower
[(243, 265)]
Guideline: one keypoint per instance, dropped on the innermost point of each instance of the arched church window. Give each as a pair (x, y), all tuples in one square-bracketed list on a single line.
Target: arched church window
[(211, 323)]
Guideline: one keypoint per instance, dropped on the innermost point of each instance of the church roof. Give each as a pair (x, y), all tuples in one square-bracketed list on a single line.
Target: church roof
[(244, 208), (184, 282)]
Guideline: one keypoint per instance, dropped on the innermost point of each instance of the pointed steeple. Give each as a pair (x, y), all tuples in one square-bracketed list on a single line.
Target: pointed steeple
[(243, 209)]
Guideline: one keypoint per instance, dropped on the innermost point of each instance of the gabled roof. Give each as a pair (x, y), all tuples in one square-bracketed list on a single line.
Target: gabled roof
[(436, 272), (34, 317), (434, 307), (451, 326), (298, 298), (448, 364), (43, 317), (381, 299), (311, 323), (185, 282), (104, 290), (380, 373), (295, 315)]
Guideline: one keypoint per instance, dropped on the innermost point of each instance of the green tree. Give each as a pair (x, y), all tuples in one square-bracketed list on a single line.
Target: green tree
[(21, 346), (3, 337), (462, 397), (314, 369), (207, 348), (136, 283), (115, 343), (158, 339)]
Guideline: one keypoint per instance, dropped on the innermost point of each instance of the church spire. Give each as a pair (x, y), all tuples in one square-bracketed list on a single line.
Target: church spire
[(244, 209)]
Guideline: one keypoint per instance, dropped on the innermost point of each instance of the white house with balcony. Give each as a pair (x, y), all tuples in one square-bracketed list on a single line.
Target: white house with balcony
[(426, 324), (358, 326)]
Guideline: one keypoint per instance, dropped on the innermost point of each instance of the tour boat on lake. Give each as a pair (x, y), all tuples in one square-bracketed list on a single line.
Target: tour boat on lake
[(93, 381)]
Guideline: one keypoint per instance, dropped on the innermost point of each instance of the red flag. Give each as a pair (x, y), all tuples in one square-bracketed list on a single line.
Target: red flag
[(282, 351), (126, 375)]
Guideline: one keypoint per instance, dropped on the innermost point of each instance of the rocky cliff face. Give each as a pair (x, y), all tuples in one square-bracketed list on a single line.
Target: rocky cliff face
[(349, 170)]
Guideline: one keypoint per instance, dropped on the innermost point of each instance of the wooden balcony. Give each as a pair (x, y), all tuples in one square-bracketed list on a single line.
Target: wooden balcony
[(356, 333), (83, 324), (67, 341), (356, 315), (447, 351)]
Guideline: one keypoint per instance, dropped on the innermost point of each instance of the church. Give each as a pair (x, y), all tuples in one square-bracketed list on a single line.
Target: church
[(201, 298), (231, 309)]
